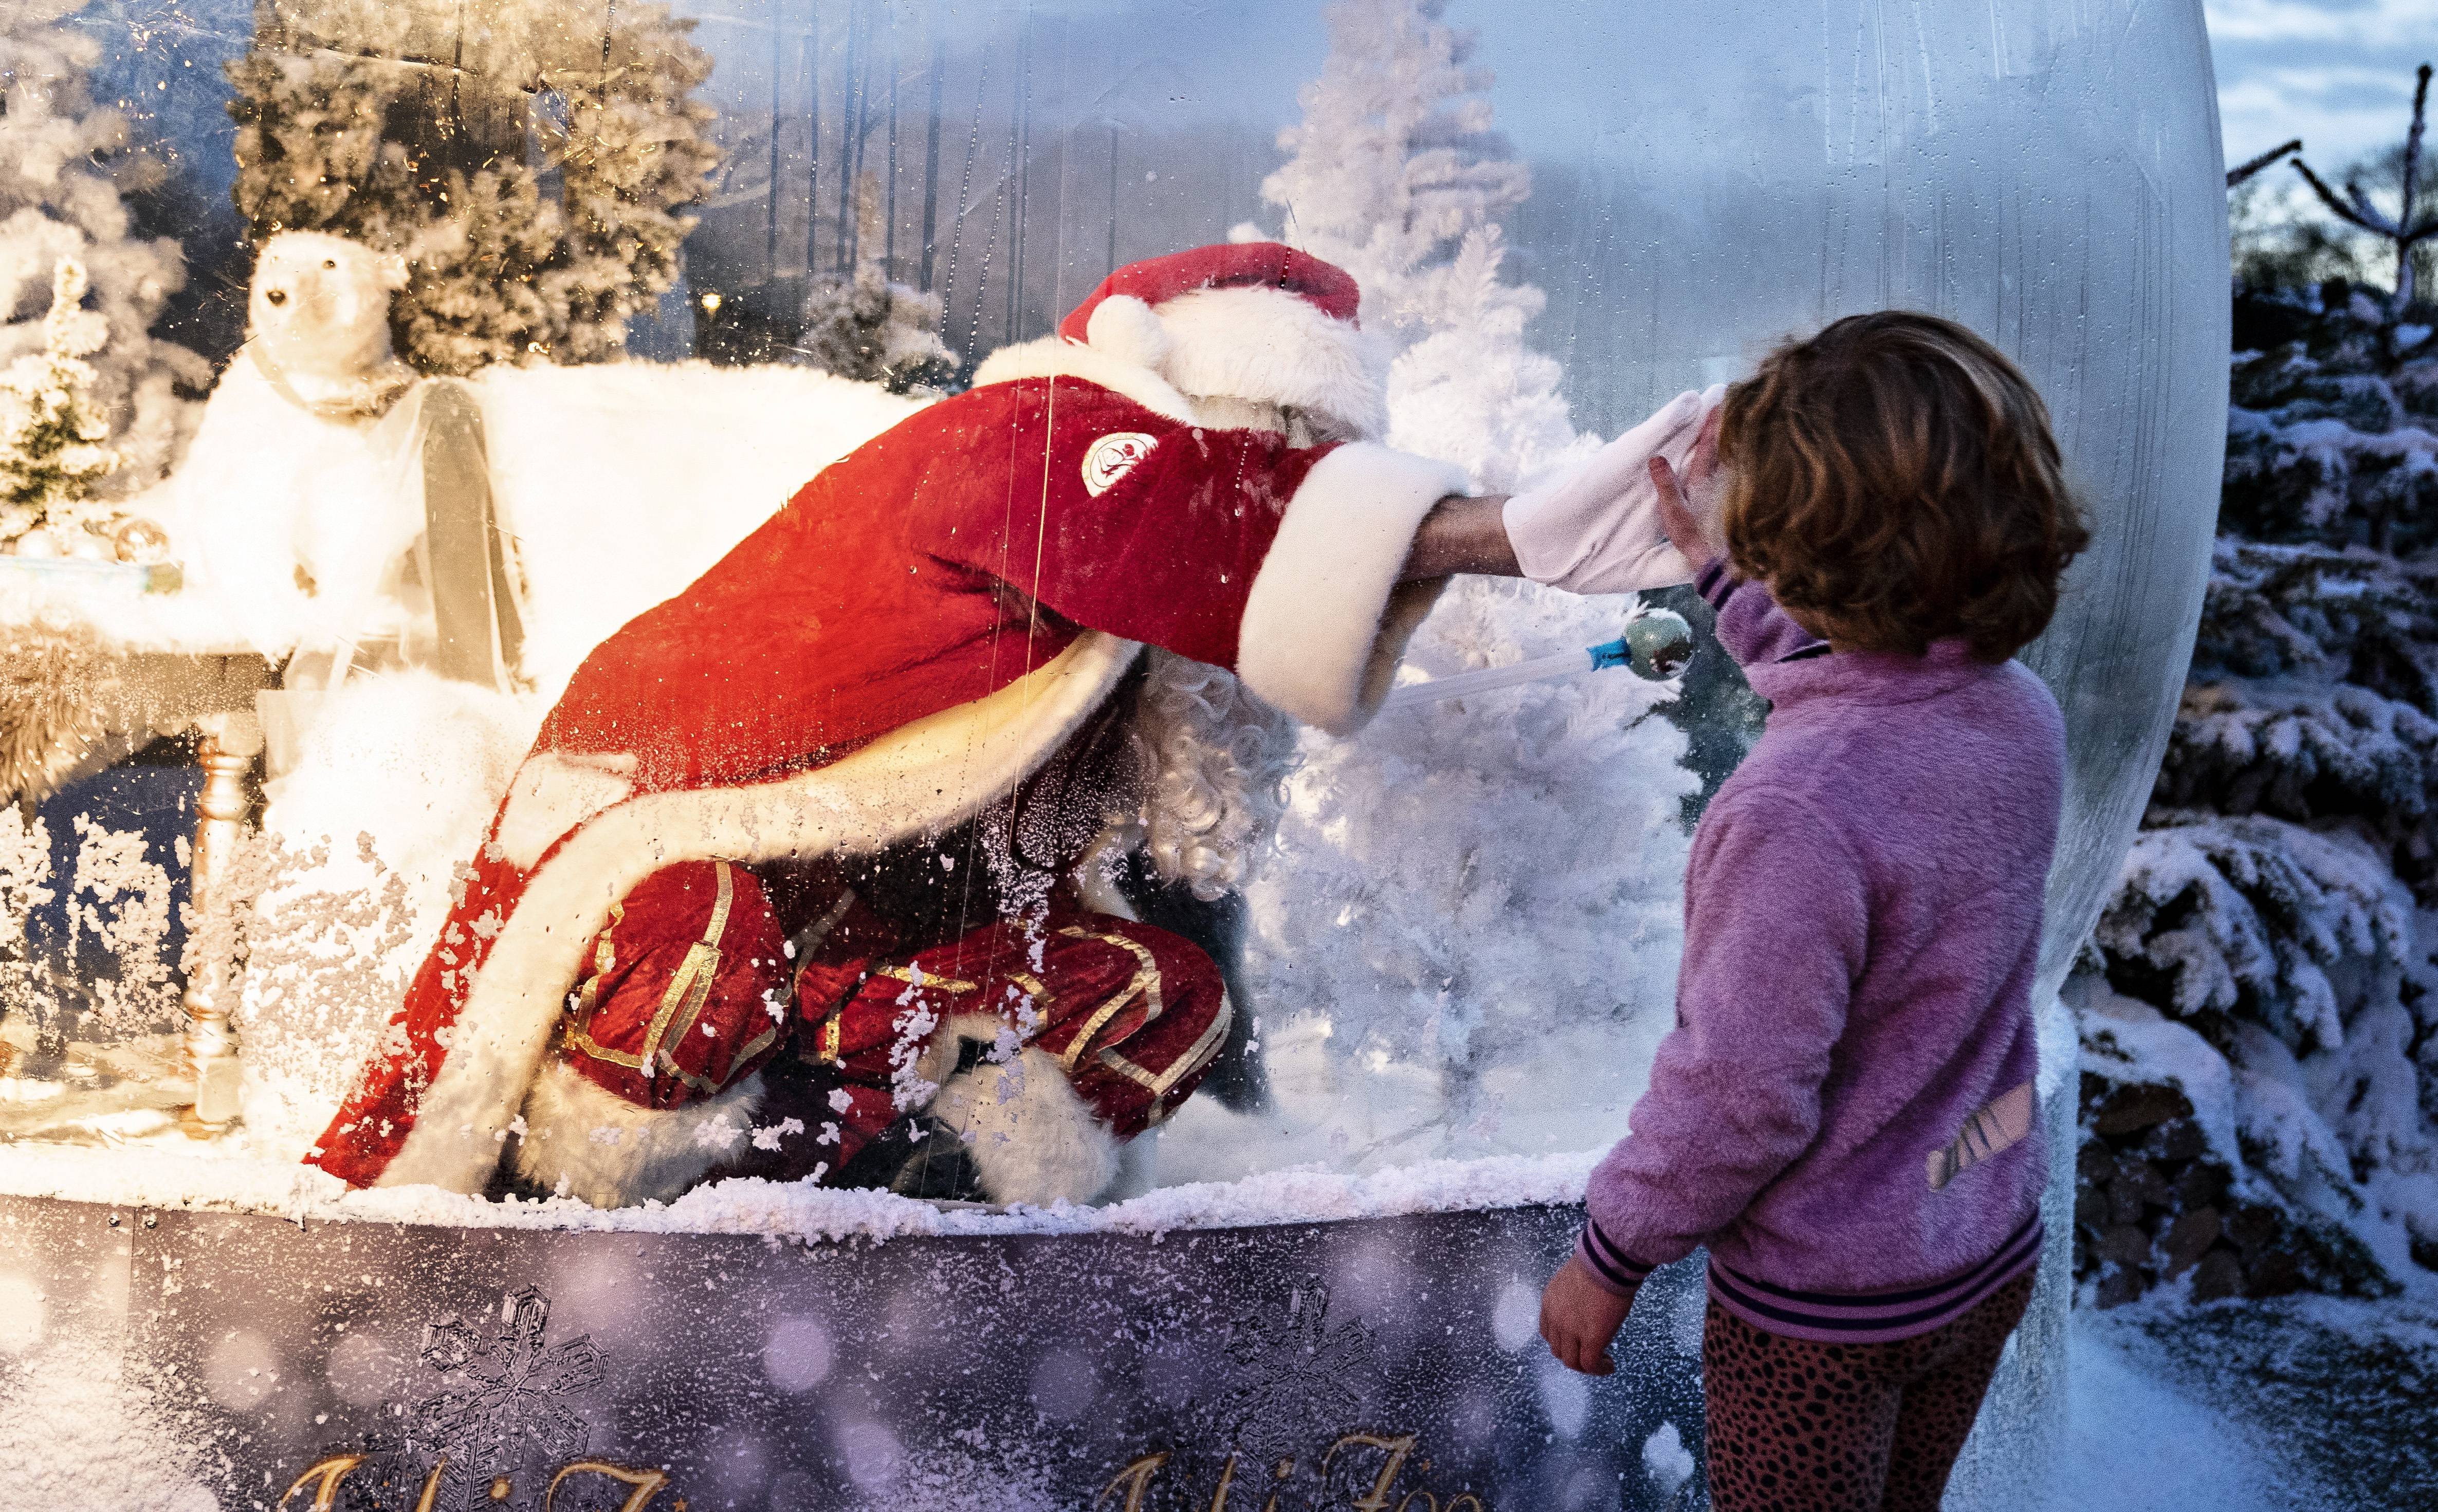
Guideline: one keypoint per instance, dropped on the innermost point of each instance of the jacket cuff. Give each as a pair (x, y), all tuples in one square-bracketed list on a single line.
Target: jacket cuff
[(1715, 583), (1326, 619), (1610, 1267)]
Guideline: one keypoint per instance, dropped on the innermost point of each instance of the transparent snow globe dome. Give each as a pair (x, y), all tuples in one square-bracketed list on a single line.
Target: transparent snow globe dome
[(1464, 939)]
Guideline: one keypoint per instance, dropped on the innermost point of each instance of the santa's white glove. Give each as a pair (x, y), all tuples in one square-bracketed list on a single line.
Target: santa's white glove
[(1594, 528)]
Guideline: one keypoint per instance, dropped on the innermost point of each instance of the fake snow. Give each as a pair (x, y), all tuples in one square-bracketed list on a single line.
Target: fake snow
[(1666, 1457), (76, 1433), (164, 1176)]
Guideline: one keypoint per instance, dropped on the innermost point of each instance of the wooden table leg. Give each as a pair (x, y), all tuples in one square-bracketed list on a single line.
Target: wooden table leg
[(224, 812)]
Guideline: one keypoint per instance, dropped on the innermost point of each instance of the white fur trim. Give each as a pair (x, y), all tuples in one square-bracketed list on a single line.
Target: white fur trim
[(552, 793), (928, 774), (1327, 618), (1125, 328), (1055, 357), (1277, 348), (1034, 1139), (611, 1153)]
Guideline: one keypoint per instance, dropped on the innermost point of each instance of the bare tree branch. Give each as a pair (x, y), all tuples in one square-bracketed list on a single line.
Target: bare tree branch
[(2329, 197), (2370, 212), (2413, 145), (2355, 209), (2246, 169)]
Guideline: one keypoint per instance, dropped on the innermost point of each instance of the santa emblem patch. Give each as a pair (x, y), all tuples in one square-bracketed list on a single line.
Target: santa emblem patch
[(1112, 457)]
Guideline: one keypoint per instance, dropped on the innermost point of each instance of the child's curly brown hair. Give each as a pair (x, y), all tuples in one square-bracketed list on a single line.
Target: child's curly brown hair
[(1893, 481)]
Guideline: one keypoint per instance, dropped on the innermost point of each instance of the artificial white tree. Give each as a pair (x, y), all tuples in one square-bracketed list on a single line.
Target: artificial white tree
[(1403, 1014), (1394, 162), (65, 171)]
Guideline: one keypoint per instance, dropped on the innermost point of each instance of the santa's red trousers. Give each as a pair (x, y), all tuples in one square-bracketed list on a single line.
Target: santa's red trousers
[(709, 970)]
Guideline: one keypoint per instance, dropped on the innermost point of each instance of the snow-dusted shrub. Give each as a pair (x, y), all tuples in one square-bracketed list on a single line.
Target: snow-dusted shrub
[(538, 197), (874, 331), (2333, 433), (2224, 920)]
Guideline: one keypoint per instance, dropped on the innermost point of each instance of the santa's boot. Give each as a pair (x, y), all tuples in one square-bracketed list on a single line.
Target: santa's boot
[(918, 1156)]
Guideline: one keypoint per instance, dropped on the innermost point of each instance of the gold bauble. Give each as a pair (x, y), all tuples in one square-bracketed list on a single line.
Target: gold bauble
[(139, 539)]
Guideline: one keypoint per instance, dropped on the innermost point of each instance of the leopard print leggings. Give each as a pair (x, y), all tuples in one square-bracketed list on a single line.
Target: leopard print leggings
[(1796, 1426)]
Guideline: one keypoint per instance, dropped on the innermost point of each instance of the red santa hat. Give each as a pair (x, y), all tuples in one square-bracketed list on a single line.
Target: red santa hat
[(1244, 320)]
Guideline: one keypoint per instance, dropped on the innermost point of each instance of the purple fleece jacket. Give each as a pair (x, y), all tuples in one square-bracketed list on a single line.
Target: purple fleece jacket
[(1844, 1114)]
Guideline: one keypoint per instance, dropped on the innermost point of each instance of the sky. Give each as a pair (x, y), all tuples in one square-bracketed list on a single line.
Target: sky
[(2336, 73)]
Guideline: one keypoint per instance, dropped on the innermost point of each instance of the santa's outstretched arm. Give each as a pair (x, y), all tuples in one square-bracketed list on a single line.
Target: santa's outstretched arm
[(1303, 569)]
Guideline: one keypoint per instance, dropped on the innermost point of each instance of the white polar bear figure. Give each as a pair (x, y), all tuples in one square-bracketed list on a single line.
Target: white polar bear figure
[(292, 508)]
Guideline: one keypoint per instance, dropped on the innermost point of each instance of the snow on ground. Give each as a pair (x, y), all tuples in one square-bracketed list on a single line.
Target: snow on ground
[(2136, 1441), (2331, 1400)]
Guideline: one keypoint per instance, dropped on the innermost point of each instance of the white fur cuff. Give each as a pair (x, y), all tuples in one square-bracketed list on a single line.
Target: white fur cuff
[(1035, 1138), (1327, 618), (593, 1145), (553, 794)]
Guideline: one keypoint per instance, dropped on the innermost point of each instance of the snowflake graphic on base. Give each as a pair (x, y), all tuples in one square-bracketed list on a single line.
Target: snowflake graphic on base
[(506, 1391), (1292, 1370)]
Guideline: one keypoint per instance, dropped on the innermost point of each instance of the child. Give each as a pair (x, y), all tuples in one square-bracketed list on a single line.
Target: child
[(1845, 1114)]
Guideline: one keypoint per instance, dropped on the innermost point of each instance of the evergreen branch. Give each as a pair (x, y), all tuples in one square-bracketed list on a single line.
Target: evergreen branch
[(2246, 169)]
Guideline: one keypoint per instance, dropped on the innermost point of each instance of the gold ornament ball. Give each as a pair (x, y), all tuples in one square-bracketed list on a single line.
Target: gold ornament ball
[(139, 539)]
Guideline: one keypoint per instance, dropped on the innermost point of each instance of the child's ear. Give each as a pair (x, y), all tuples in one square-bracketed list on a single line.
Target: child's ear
[(392, 269)]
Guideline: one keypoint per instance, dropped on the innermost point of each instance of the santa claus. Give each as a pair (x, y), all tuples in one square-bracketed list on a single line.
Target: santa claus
[(808, 874)]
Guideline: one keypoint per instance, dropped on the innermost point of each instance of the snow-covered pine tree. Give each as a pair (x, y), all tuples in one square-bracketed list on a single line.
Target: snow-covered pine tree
[(1396, 175), (1557, 804), (66, 174), (2261, 999), (537, 189), (869, 329), (52, 436)]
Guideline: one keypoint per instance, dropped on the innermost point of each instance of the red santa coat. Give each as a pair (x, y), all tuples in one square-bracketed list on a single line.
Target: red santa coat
[(914, 634)]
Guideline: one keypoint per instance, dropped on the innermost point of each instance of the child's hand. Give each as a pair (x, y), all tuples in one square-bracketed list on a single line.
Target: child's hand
[(1688, 507), (1592, 527), (1579, 1317)]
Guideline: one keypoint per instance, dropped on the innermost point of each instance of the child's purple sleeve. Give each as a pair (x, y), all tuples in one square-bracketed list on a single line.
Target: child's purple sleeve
[(1751, 626), (1776, 932)]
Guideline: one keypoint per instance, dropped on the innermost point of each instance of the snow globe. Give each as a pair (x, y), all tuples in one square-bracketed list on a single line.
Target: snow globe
[(620, 281)]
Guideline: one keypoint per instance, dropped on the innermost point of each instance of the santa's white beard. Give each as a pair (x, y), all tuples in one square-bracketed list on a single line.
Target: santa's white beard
[(1218, 759)]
